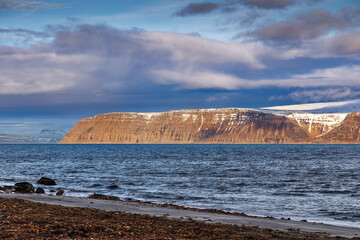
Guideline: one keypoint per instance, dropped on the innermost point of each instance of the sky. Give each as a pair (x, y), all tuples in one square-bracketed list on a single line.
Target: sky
[(63, 60)]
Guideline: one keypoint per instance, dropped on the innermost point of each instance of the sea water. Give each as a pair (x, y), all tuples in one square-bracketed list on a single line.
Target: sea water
[(313, 182)]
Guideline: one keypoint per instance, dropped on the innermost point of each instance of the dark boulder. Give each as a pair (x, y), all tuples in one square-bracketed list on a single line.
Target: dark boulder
[(40, 190), (46, 181), (7, 189), (113, 186), (24, 187), (104, 197), (60, 192)]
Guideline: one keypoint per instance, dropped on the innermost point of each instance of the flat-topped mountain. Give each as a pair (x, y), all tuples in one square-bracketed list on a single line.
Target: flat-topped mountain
[(229, 125)]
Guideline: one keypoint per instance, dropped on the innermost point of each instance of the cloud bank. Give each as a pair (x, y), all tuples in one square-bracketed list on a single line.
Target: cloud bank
[(97, 63), (197, 8)]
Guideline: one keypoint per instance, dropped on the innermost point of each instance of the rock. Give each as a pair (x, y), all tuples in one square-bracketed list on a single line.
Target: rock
[(7, 189), (94, 185), (40, 190), (60, 192), (113, 186), (104, 197), (46, 181), (24, 187), (52, 190)]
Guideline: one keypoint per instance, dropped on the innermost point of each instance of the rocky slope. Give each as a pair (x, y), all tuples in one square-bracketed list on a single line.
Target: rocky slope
[(229, 125)]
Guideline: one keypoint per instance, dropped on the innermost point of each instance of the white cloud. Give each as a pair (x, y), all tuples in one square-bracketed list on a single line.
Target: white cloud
[(197, 80), (339, 76), (216, 99), (346, 45), (188, 49), (323, 95), (28, 72), (312, 106)]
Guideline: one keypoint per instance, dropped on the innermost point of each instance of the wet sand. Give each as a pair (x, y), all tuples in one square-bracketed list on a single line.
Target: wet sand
[(170, 213)]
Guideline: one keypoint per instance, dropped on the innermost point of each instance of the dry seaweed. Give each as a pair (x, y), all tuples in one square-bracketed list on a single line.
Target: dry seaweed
[(21, 219)]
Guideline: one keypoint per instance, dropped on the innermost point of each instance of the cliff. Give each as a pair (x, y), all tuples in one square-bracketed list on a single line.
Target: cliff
[(231, 125)]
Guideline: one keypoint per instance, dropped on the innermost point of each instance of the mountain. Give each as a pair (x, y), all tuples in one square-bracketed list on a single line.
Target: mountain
[(49, 136), (45, 136), (229, 125), (7, 138)]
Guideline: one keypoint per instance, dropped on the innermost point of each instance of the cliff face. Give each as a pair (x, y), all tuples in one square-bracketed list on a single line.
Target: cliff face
[(205, 126), (348, 131)]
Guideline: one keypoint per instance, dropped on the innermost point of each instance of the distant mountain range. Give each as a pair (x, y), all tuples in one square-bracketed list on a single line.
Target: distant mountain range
[(228, 125), (45, 136), (7, 138)]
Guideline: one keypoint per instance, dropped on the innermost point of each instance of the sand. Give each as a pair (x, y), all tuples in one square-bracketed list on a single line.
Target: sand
[(183, 214)]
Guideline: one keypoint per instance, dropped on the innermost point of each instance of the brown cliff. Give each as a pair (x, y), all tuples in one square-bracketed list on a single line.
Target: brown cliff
[(230, 125)]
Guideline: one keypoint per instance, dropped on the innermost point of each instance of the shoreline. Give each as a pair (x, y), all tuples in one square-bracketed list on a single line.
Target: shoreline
[(174, 212)]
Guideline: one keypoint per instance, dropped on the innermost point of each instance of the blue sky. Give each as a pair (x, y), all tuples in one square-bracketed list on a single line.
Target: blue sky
[(65, 60)]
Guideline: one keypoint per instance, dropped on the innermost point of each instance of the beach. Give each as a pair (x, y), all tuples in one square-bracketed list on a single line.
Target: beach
[(31, 216)]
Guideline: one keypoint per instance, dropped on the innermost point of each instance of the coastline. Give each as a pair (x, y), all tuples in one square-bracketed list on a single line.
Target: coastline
[(179, 213)]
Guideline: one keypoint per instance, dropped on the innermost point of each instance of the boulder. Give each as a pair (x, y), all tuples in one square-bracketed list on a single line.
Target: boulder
[(46, 181), (104, 197), (7, 189), (40, 190), (113, 186), (24, 187), (60, 192)]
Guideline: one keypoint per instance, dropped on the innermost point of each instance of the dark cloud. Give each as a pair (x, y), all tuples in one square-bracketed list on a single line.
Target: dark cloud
[(27, 5), (308, 25), (197, 8), (250, 17), (231, 6), (25, 32), (351, 14), (268, 4), (314, 2), (73, 19), (345, 44)]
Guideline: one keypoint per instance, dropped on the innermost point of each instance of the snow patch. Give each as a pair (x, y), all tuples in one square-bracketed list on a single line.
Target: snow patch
[(202, 122), (149, 115), (329, 120), (186, 116)]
